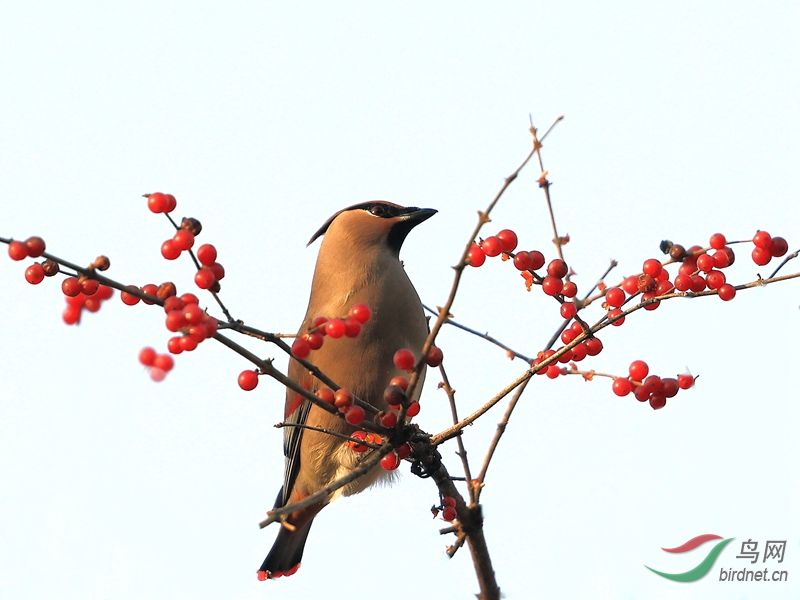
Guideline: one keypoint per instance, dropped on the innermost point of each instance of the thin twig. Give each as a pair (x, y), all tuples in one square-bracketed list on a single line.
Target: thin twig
[(483, 218), (498, 434), (462, 452), (511, 352)]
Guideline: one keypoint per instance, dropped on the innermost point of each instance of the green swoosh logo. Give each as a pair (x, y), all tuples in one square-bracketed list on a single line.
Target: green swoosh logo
[(700, 570)]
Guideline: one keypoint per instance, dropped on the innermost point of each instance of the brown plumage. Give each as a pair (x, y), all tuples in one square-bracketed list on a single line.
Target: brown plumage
[(358, 262)]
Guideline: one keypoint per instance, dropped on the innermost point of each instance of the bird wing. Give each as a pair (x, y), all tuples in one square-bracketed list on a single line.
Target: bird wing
[(296, 412)]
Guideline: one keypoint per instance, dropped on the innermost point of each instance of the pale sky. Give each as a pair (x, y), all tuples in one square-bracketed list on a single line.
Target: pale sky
[(263, 119)]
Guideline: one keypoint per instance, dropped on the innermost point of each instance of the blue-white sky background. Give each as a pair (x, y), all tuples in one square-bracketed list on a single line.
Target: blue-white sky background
[(682, 119)]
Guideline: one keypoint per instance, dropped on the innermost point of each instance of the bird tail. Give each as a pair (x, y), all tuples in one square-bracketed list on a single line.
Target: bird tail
[(284, 557)]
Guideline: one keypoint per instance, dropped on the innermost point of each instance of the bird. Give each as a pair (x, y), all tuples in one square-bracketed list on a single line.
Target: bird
[(358, 263)]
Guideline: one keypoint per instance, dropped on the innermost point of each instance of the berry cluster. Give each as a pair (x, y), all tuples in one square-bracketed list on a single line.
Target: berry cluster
[(263, 575), (82, 294), (650, 388), (527, 261), (159, 364), (767, 247), (183, 316), (349, 326), (209, 272)]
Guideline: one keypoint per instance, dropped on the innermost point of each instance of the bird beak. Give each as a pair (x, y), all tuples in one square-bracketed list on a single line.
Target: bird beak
[(418, 215)]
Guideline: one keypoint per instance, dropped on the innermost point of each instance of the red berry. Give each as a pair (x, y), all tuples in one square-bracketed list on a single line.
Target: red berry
[(621, 386), (449, 513), (615, 297), (164, 362), (174, 320), (646, 300), (248, 380), (157, 202), (761, 256), (434, 357), (300, 348), (683, 283), (570, 289), (170, 203), (89, 286), (147, 356), (537, 259), (204, 278), (664, 287), (342, 399), (189, 298), (631, 284), (315, 340), (553, 371), (192, 314), (105, 292), (394, 395), (448, 501), (523, 261), (613, 314), (71, 314), (388, 419), (35, 246), (763, 240), (354, 415), (685, 381), (174, 345), (726, 292), (399, 381), (34, 274), (413, 409), (351, 327), (318, 323), (404, 359), (92, 304), (779, 246), (17, 250), (705, 262), (593, 346), (391, 461), (652, 267), (508, 240), (568, 310), (658, 400), (641, 393), (698, 283), (335, 328), (579, 352), (724, 258), (325, 394), (557, 268), (715, 279), (170, 250), (70, 286), (475, 257), (207, 255), (638, 370), (184, 239), (361, 313), (150, 289), (670, 386), (262, 575), (218, 270), (552, 285), (717, 241), (492, 246)]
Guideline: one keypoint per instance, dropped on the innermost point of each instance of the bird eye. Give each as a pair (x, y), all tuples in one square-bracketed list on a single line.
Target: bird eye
[(379, 210)]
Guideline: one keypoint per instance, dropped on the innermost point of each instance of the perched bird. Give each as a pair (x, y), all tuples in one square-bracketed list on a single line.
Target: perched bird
[(358, 262)]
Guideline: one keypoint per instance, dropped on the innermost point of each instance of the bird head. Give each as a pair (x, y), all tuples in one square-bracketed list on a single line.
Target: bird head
[(374, 223)]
